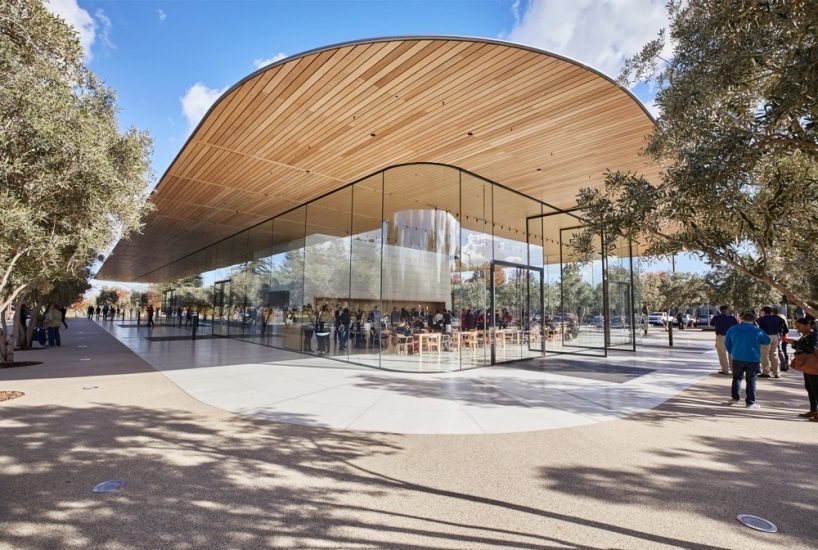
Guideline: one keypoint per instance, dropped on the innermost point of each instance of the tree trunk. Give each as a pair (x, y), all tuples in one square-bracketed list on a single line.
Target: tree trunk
[(7, 339)]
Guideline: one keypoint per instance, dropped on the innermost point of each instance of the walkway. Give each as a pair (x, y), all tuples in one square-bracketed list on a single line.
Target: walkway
[(200, 477), (556, 392)]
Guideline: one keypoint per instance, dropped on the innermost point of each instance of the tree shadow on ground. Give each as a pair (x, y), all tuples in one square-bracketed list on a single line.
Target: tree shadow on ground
[(716, 471), (231, 482)]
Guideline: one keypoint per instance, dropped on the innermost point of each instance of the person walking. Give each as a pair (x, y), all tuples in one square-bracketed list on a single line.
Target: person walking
[(808, 343), (743, 343), (150, 315), (99, 310), (773, 326), (90, 312), (722, 323), (63, 312)]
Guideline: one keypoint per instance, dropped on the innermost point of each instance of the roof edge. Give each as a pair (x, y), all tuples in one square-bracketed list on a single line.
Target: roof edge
[(391, 39)]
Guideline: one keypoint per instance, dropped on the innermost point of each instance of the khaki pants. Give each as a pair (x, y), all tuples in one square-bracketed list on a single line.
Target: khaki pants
[(725, 361), (769, 356)]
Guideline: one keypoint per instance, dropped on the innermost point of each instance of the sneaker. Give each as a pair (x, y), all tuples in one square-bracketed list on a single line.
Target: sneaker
[(724, 373), (808, 414), (732, 402), (754, 406), (776, 376), (764, 376)]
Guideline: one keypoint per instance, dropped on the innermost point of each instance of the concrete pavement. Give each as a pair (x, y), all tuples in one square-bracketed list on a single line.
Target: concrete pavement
[(197, 476)]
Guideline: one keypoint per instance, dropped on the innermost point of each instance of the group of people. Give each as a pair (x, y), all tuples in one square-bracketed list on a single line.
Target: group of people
[(751, 347), (106, 311), (46, 324)]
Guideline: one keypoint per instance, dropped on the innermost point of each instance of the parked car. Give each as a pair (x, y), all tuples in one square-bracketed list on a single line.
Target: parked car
[(658, 318), (703, 321)]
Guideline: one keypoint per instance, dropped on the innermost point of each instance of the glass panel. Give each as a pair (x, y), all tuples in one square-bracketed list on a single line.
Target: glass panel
[(471, 298), (252, 284), (326, 266), (421, 208), (620, 296), (582, 310), (292, 327), (513, 281), (362, 345)]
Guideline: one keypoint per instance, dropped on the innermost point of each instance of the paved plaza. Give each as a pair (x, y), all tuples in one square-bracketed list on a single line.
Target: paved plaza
[(228, 444)]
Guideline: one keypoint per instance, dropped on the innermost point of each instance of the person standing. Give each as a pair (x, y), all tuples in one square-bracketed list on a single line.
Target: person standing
[(808, 343), (772, 326), (722, 323), (743, 343), (150, 315), (783, 357), (194, 323), (63, 312), (53, 320), (344, 319), (322, 330)]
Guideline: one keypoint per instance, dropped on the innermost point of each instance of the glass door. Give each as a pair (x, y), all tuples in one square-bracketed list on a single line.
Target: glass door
[(516, 302), (221, 308)]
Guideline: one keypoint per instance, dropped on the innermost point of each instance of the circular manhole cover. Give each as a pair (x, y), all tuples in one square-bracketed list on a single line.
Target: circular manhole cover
[(757, 523), (109, 486)]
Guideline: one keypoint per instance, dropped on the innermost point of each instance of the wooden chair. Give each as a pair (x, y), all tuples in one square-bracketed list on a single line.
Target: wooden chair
[(404, 344)]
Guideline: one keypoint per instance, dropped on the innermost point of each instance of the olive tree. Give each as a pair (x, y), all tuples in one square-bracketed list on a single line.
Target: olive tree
[(737, 141), (70, 181)]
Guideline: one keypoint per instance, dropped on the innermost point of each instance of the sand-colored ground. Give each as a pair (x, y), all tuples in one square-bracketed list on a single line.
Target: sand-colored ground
[(200, 477)]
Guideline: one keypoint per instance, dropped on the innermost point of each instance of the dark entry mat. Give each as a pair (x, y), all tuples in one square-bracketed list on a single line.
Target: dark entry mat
[(173, 338), (618, 374)]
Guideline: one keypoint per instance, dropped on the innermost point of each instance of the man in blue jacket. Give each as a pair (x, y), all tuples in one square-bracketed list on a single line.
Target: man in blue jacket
[(744, 342)]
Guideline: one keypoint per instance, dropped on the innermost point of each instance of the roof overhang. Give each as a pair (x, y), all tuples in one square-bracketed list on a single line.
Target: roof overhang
[(297, 129)]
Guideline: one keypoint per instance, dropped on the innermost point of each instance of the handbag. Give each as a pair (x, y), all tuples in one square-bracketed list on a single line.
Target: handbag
[(806, 362)]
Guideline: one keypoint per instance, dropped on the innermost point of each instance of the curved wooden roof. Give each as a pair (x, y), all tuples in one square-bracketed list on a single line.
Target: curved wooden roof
[(534, 121)]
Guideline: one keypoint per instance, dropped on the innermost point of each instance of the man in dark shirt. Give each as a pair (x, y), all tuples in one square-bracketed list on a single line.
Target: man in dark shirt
[(722, 322), (344, 320), (772, 325)]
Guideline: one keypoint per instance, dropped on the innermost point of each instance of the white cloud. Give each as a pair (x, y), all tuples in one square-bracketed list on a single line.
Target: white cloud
[(105, 28), (196, 101), (162, 15), (599, 33), (259, 62), (78, 18)]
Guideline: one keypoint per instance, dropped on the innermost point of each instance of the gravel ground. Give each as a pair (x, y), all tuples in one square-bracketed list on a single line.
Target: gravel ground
[(674, 477)]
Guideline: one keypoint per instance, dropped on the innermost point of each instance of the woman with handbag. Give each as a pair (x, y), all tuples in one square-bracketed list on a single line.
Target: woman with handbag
[(806, 360)]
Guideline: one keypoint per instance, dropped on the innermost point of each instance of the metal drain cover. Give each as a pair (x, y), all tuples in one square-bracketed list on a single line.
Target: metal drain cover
[(757, 523), (109, 486)]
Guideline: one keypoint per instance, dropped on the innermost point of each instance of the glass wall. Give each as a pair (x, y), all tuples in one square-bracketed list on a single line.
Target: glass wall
[(419, 267)]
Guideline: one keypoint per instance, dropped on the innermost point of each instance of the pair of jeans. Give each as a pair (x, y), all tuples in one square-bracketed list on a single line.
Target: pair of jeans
[(748, 370), (53, 336), (343, 336), (811, 384)]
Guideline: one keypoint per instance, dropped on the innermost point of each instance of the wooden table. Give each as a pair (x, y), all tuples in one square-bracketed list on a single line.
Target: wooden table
[(428, 338)]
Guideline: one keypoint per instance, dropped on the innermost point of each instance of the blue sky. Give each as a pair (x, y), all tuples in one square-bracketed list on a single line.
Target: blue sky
[(168, 61)]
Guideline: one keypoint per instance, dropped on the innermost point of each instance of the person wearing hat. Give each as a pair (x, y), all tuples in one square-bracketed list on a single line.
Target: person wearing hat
[(743, 342)]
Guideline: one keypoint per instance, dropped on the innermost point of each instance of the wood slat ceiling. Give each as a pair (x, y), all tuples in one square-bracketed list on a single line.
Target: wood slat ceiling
[(298, 129)]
